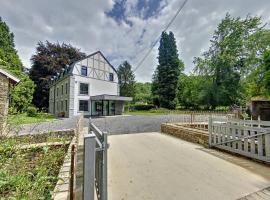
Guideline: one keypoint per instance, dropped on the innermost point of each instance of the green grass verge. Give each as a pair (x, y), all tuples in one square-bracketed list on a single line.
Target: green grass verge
[(29, 173), (19, 119)]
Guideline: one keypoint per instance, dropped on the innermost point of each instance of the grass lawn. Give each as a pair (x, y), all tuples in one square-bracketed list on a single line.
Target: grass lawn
[(149, 112), (24, 119), (29, 173)]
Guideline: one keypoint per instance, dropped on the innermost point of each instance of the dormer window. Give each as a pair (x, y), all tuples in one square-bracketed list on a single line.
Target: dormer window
[(84, 71), (111, 77)]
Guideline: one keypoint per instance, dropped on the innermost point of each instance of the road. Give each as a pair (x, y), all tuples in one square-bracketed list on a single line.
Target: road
[(112, 124), (154, 166)]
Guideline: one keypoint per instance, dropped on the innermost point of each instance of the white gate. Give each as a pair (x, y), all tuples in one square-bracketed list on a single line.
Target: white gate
[(249, 138)]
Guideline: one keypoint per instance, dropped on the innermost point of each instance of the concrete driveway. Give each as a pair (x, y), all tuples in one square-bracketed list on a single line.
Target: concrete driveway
[(160, 167)]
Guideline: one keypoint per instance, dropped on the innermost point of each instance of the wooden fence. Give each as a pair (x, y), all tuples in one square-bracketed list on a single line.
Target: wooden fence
[(250, 138)]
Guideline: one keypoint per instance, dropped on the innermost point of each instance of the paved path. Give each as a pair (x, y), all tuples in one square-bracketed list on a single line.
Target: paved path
[(154, 166), (113, 125)]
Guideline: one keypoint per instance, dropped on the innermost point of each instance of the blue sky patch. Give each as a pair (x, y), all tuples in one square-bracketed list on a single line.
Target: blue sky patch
[(143, 9)]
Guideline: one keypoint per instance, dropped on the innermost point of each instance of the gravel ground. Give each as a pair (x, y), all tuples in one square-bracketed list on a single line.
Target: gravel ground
[(112, 124)]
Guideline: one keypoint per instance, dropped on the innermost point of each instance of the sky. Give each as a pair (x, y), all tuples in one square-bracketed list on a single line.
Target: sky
[(122, 29)]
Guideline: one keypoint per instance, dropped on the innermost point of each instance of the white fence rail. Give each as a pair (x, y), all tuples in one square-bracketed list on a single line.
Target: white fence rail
[(249, 138)]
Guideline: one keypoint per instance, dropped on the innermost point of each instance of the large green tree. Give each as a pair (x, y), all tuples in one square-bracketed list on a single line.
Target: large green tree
[(50, 59), (235, 51), (21, 95), (266, 78), (165, 78), (126, 80), (143, 93)]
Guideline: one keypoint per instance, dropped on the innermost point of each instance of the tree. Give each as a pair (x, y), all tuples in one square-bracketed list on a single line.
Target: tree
[(126, 80), (21, 95), (48, 61), (143, 93), (233, 54), (165, 78), (266, 78)]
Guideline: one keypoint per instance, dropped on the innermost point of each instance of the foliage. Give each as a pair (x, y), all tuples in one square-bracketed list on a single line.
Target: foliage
[(29, 173), (126, 80), (31, 111), (142, 107), (143, 93), (21, 95), (23, 118), (235, 52), (266, 77), (165, 78), (48, 61)]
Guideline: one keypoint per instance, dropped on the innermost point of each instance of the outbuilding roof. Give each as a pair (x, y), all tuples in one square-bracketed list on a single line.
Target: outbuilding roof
[(11, 77)]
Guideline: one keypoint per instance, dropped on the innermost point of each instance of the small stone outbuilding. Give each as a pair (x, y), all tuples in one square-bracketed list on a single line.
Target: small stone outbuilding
[(6, 81)]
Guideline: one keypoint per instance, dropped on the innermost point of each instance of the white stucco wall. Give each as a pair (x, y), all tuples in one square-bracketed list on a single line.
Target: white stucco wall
[(98, 80)]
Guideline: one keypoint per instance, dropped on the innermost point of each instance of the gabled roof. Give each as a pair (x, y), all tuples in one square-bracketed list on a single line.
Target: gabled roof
[(12, 78), (74, 63), (70, 68)]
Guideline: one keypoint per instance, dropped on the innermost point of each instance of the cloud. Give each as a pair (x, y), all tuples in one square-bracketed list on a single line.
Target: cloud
[(125, 33)]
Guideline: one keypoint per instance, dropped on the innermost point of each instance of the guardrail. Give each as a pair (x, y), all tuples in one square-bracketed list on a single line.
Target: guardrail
[(95, 164)]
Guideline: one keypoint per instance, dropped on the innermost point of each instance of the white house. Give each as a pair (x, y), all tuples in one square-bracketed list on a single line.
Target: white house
[(89, 86)]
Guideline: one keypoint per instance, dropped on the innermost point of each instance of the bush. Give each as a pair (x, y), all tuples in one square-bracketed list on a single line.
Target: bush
[(31, 111), (142, 107)]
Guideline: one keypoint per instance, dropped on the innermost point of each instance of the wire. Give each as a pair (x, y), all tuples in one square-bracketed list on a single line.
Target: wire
[(156, 41)]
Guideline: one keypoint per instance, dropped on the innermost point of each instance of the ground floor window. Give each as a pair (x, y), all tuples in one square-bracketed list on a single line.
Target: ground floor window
[(83, 105)]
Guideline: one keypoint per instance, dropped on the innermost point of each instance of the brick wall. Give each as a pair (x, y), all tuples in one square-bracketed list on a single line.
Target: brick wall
[(4, 87)]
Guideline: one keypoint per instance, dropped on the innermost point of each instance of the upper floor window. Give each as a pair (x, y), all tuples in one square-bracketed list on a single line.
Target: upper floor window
[(111, 77), (84, 71), (56, 91), (66, 88), (84, 88), (62, 88)]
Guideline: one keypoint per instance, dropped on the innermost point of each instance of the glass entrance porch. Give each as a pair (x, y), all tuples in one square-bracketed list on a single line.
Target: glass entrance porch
[(102, 107)]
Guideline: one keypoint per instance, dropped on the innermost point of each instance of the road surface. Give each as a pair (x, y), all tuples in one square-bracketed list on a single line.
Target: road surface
[(154, 166)]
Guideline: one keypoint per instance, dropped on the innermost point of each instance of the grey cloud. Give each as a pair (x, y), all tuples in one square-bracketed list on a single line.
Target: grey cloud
[(83, 23)]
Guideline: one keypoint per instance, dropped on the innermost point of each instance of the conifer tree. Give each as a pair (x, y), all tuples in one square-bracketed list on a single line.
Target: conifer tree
[(167, 72)]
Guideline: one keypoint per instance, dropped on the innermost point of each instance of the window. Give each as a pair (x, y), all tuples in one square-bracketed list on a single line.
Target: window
[(84, 71), (66, 88), (62, 106), (83, 105), (111, 77), (62, 89), (57, 92), (84, 88), (66, 104)]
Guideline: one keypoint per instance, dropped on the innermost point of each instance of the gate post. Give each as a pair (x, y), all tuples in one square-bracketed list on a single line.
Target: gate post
[(210, 121), (104, 193), (89, 167)]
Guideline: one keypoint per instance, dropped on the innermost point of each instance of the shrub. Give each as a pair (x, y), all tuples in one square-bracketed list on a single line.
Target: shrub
[(31, 111), (143, 107)]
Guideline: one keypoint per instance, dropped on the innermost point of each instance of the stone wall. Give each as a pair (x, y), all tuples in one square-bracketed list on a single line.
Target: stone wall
[(4, 89), (186, 133)]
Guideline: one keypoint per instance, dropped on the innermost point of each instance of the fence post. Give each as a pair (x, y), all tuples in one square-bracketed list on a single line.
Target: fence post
[(89, 167), (210, 121), (104, 195)]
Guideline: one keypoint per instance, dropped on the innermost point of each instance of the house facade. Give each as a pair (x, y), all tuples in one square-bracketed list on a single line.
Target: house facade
[(88, 86), (6, 81)]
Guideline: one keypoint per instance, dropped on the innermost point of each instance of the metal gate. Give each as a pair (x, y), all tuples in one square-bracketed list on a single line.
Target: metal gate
[(95, 163), (248, 138)]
